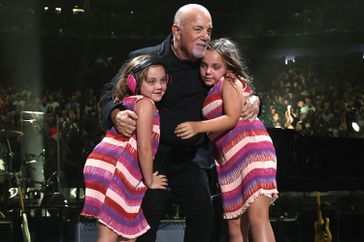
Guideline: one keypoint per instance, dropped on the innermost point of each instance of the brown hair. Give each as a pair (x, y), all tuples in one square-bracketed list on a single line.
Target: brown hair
[(235, 63)]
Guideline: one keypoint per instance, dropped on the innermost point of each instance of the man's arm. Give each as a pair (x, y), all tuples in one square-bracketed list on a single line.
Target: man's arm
[(107, 103)]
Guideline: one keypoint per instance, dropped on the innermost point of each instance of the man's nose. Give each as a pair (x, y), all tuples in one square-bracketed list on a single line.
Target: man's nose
[(206, 35)]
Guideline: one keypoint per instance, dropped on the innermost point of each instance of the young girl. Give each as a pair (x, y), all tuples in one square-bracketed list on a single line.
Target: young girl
[(120, 169), (243, 149)]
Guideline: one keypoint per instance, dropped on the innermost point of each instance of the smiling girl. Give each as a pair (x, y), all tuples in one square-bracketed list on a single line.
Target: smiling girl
[(120, 169)]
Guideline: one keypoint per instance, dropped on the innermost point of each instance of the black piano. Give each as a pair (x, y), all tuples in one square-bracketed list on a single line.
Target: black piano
[(318, 163)]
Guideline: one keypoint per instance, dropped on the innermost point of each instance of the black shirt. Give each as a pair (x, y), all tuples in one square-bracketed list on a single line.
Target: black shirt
[(182, 101)]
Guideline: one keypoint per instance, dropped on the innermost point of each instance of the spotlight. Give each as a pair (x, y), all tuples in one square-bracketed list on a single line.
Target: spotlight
[(355, 126), (289, 58), (77, 10)]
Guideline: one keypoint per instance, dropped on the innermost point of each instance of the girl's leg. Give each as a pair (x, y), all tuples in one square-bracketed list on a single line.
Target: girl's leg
[(245, 226), (106, 234), (235, 230), (258, 215), (121, 239)]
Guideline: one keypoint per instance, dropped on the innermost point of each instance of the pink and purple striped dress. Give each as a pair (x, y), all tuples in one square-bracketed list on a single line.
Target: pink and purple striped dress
[(245, 159), (114, 189)]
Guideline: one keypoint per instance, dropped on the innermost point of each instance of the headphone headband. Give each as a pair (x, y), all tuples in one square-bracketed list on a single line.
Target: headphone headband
[(132, 79), (149, 61)]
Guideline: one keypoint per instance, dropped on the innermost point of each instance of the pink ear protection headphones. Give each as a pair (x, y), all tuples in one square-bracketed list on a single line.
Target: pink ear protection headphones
[(132, 84), (132, 79)]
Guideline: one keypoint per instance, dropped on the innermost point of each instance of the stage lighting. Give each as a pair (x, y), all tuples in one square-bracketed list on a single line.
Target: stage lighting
[(289, 58), (355, 126), (77, 10)]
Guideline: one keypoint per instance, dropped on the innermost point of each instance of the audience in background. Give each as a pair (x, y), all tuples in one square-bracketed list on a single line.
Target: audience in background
[(324, 101), (326, 96)]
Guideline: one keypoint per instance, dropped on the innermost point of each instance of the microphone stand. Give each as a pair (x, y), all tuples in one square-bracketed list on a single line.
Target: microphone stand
[(59, 187), (24, 220), (58, 156), (11, 155)]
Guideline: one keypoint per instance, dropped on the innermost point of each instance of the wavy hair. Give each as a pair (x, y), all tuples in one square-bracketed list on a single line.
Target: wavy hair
[(236, 63)]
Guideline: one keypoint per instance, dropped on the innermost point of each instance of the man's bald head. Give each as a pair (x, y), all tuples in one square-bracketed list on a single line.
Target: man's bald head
[(183, 12), (191, 30)]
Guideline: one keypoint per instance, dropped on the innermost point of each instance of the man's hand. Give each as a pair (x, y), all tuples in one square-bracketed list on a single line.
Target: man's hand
[(124, 121), (250, 108)]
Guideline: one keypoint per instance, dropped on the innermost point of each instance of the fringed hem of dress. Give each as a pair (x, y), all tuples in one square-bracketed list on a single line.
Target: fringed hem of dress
[(122, 234), (272, 194)]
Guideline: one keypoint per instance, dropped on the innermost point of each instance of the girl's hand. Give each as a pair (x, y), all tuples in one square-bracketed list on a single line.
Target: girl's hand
[(186, 130), (158, 181)]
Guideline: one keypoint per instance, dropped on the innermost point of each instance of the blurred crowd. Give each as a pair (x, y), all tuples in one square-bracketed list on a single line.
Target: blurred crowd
[(316, 96), (75, 116)]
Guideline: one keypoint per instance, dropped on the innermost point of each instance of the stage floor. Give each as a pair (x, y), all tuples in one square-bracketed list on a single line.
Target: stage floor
[(292, 217)]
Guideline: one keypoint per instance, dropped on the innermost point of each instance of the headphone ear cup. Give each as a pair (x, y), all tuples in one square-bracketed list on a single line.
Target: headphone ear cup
[(132, 83)]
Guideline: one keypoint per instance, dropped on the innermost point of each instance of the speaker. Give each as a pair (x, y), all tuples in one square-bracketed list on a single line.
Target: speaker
[(86, 232), (168, 231), (171, 231), (6, 231), (285, 230)]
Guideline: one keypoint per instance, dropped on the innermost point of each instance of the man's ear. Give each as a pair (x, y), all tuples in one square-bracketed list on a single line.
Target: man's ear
[(175, 29)]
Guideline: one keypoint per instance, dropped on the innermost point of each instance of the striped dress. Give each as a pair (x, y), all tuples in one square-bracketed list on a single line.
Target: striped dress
[(245, 159), (114, 189)]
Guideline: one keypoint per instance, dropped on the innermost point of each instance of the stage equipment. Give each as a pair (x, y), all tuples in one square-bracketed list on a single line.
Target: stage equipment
[(33, 150)]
